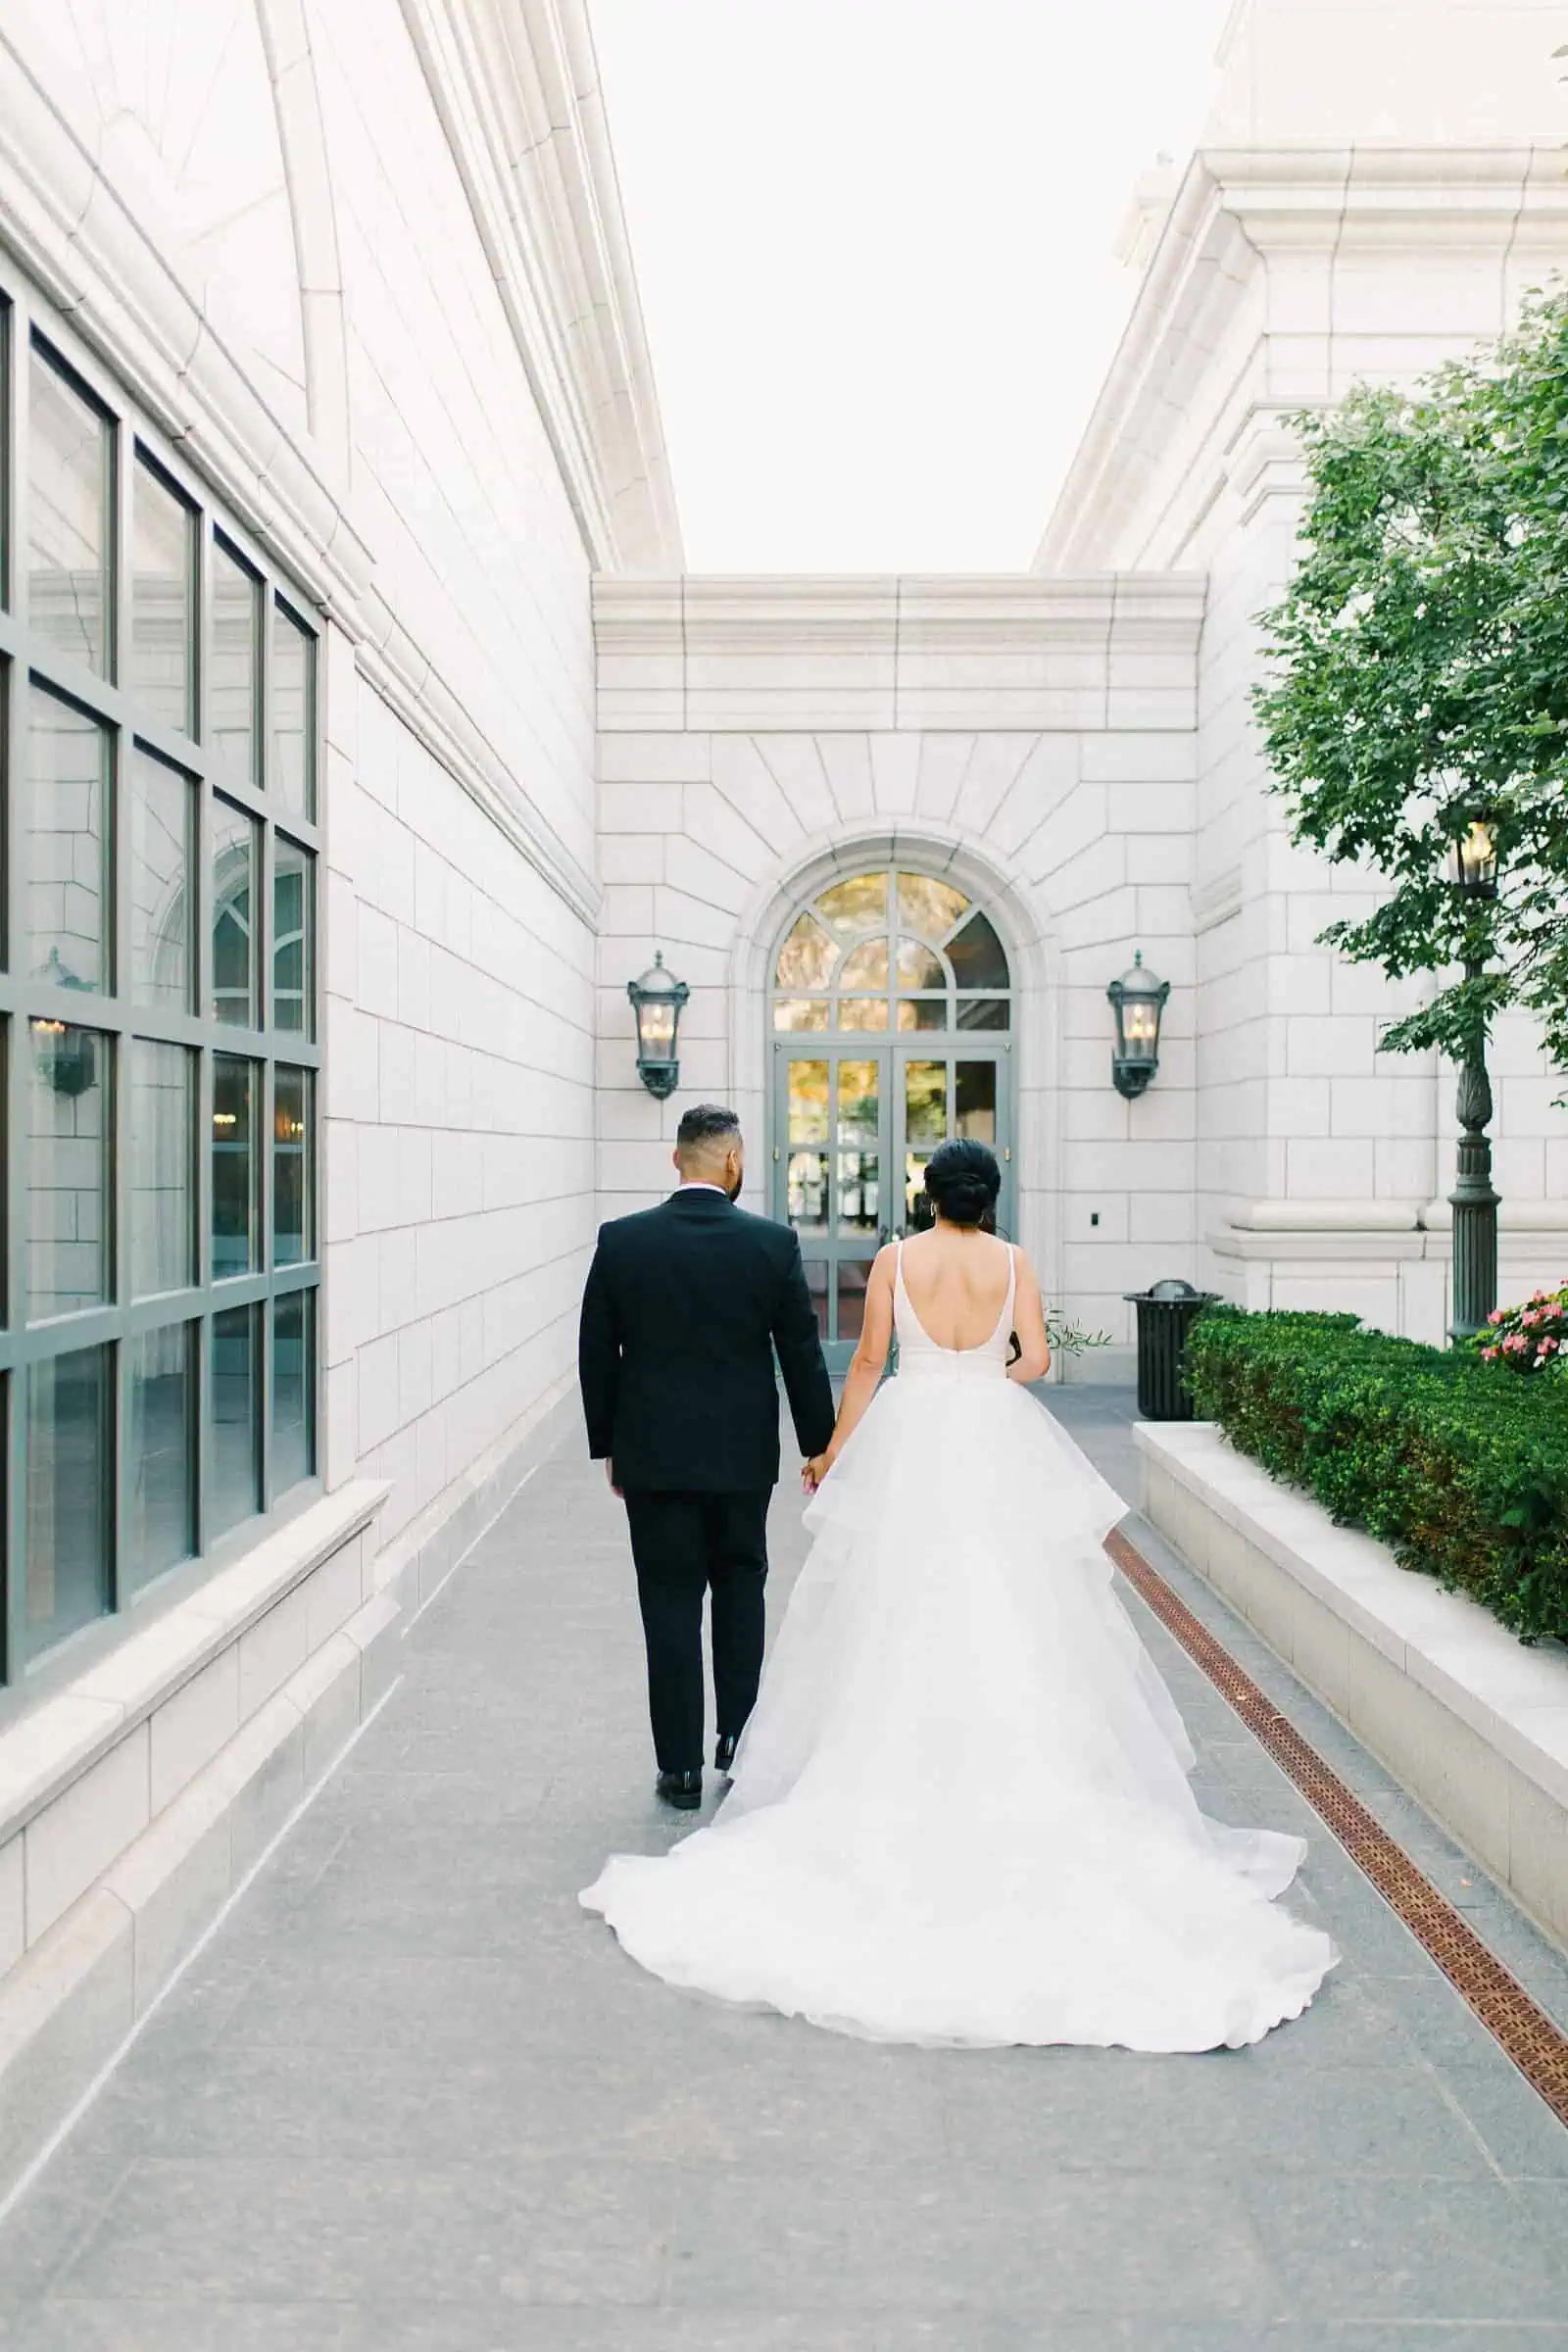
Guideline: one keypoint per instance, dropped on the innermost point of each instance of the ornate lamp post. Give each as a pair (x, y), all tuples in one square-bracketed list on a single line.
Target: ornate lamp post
[(1472, 872), (657, 1000), (1138, 999)]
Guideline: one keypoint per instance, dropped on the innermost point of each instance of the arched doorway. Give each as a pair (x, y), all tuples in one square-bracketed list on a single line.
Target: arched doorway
[(892, 1018)]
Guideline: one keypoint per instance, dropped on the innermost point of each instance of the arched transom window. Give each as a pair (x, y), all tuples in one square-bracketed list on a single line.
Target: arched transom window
[(892, 950)]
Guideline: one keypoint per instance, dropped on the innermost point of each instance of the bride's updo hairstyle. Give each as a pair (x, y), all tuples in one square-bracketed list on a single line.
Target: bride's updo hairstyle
[(963, 1180)]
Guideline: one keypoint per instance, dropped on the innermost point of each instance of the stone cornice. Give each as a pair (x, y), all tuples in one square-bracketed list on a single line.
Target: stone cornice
[(1234, 214), (519, 95), (1012, 650), (88, 255)]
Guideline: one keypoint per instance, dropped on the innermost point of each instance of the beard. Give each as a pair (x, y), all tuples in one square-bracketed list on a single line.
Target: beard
[(734, 1190)]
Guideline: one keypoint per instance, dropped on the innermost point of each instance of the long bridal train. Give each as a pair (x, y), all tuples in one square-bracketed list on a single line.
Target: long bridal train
[(960, 1812)]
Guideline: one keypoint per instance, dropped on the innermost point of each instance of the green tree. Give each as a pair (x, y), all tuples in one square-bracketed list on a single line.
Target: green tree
[(1419, 677)]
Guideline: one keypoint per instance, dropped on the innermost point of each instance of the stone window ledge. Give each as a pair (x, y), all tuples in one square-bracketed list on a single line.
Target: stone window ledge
[(47, 1749)]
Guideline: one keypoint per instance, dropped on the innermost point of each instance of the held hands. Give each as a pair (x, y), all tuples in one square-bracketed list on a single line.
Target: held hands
[(815, 1470)]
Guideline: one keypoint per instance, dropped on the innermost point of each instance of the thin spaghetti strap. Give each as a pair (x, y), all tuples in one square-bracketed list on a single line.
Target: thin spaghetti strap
[(1004, 1319)]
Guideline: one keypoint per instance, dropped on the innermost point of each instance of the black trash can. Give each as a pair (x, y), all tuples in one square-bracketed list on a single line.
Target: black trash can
[(1167, 1313)]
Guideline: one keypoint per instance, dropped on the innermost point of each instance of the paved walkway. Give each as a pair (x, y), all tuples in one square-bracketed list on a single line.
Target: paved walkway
[(412, 2100)]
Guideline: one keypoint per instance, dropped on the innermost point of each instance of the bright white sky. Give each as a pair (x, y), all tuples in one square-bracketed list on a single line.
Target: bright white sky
[(875, 246)]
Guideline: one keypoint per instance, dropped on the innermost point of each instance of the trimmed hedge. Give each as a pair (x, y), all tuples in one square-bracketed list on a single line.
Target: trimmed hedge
[(1459, 1465)]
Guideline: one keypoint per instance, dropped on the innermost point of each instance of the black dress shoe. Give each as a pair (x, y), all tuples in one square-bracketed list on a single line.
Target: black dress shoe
[(682, 1789), (724, 1752)]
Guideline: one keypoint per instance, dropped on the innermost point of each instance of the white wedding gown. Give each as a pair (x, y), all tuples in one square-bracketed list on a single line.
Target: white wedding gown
[(960, 1812)]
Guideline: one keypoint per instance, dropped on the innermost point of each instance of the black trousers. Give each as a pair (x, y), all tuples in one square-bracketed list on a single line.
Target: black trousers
[(685, 1546)]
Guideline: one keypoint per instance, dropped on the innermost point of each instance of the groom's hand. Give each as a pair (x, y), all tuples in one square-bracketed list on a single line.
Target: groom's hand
[(609, 1473)]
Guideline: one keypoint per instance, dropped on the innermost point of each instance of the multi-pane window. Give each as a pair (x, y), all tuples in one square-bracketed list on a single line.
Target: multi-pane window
[(158, 1035)]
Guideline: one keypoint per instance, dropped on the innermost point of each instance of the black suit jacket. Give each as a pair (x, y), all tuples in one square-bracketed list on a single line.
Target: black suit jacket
[(685, 1307)]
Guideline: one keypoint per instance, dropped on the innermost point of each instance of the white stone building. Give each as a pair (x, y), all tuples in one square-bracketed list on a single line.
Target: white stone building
[(365, 737)]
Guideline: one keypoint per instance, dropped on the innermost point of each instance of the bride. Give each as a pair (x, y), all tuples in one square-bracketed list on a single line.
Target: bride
[(959, 1813)]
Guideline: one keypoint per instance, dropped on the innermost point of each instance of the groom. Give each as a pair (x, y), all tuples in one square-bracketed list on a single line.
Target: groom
[(684, 1309)]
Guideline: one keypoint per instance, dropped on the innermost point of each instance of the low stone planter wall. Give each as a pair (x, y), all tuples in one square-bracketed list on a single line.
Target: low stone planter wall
[(1472, 1723)]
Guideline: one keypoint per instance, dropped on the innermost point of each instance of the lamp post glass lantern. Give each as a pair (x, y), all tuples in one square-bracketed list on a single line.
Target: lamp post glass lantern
[(1473, 860), (1137, 1000), (1472, 872), (657, 999)]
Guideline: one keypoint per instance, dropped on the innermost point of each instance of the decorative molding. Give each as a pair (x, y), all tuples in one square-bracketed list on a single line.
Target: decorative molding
[(1216, 900), (1240, 212), (518, 96), (1013, 652), (1326, 1216), (1322, 1233)]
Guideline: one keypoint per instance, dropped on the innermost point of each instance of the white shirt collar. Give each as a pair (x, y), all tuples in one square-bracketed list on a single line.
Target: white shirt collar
[(700, 1184)]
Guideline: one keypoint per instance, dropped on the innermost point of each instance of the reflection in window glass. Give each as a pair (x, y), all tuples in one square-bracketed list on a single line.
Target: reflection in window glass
[(162, 807), (292, 1239), (800, 1013), (67, 841), (816, 1285), (925, 1125), (163, 600), (293, 1360), (862, 1012), (860, 903), (235, 668), (234, 1166), (236, 1395), (929, 905), (237, 855), (924, 1012), (807, 957), (68, 1127), (859, 1164), (854, 1277), (919, 966), (975, 1102), (983, 1013), (293, 880), (69, 502), (161, 1452), (867, 966), (807, 1109), (70, 1520), (293, 777), (977, 956), (163, 1119)]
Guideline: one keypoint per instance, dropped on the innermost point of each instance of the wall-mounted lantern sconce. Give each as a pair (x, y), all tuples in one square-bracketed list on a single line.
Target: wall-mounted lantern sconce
[(657, 999), (1138, 999), (67, 1057)]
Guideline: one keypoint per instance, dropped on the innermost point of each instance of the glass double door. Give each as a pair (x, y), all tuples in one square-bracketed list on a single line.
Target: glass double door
[(853, 1127)]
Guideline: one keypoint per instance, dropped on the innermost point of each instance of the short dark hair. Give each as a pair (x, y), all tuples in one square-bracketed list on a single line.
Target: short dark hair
[(962, 1181), (704, 1123)]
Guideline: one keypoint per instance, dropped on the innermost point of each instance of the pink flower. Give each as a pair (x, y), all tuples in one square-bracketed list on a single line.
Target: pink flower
[(1548, 1346), (1491, 1355), (1516, 1343)]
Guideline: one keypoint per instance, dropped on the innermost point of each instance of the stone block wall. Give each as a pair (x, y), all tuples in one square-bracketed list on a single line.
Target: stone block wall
[(1037, 745)]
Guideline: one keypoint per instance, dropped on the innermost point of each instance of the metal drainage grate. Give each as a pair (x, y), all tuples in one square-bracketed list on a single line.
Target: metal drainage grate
[(1524, 2032)]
